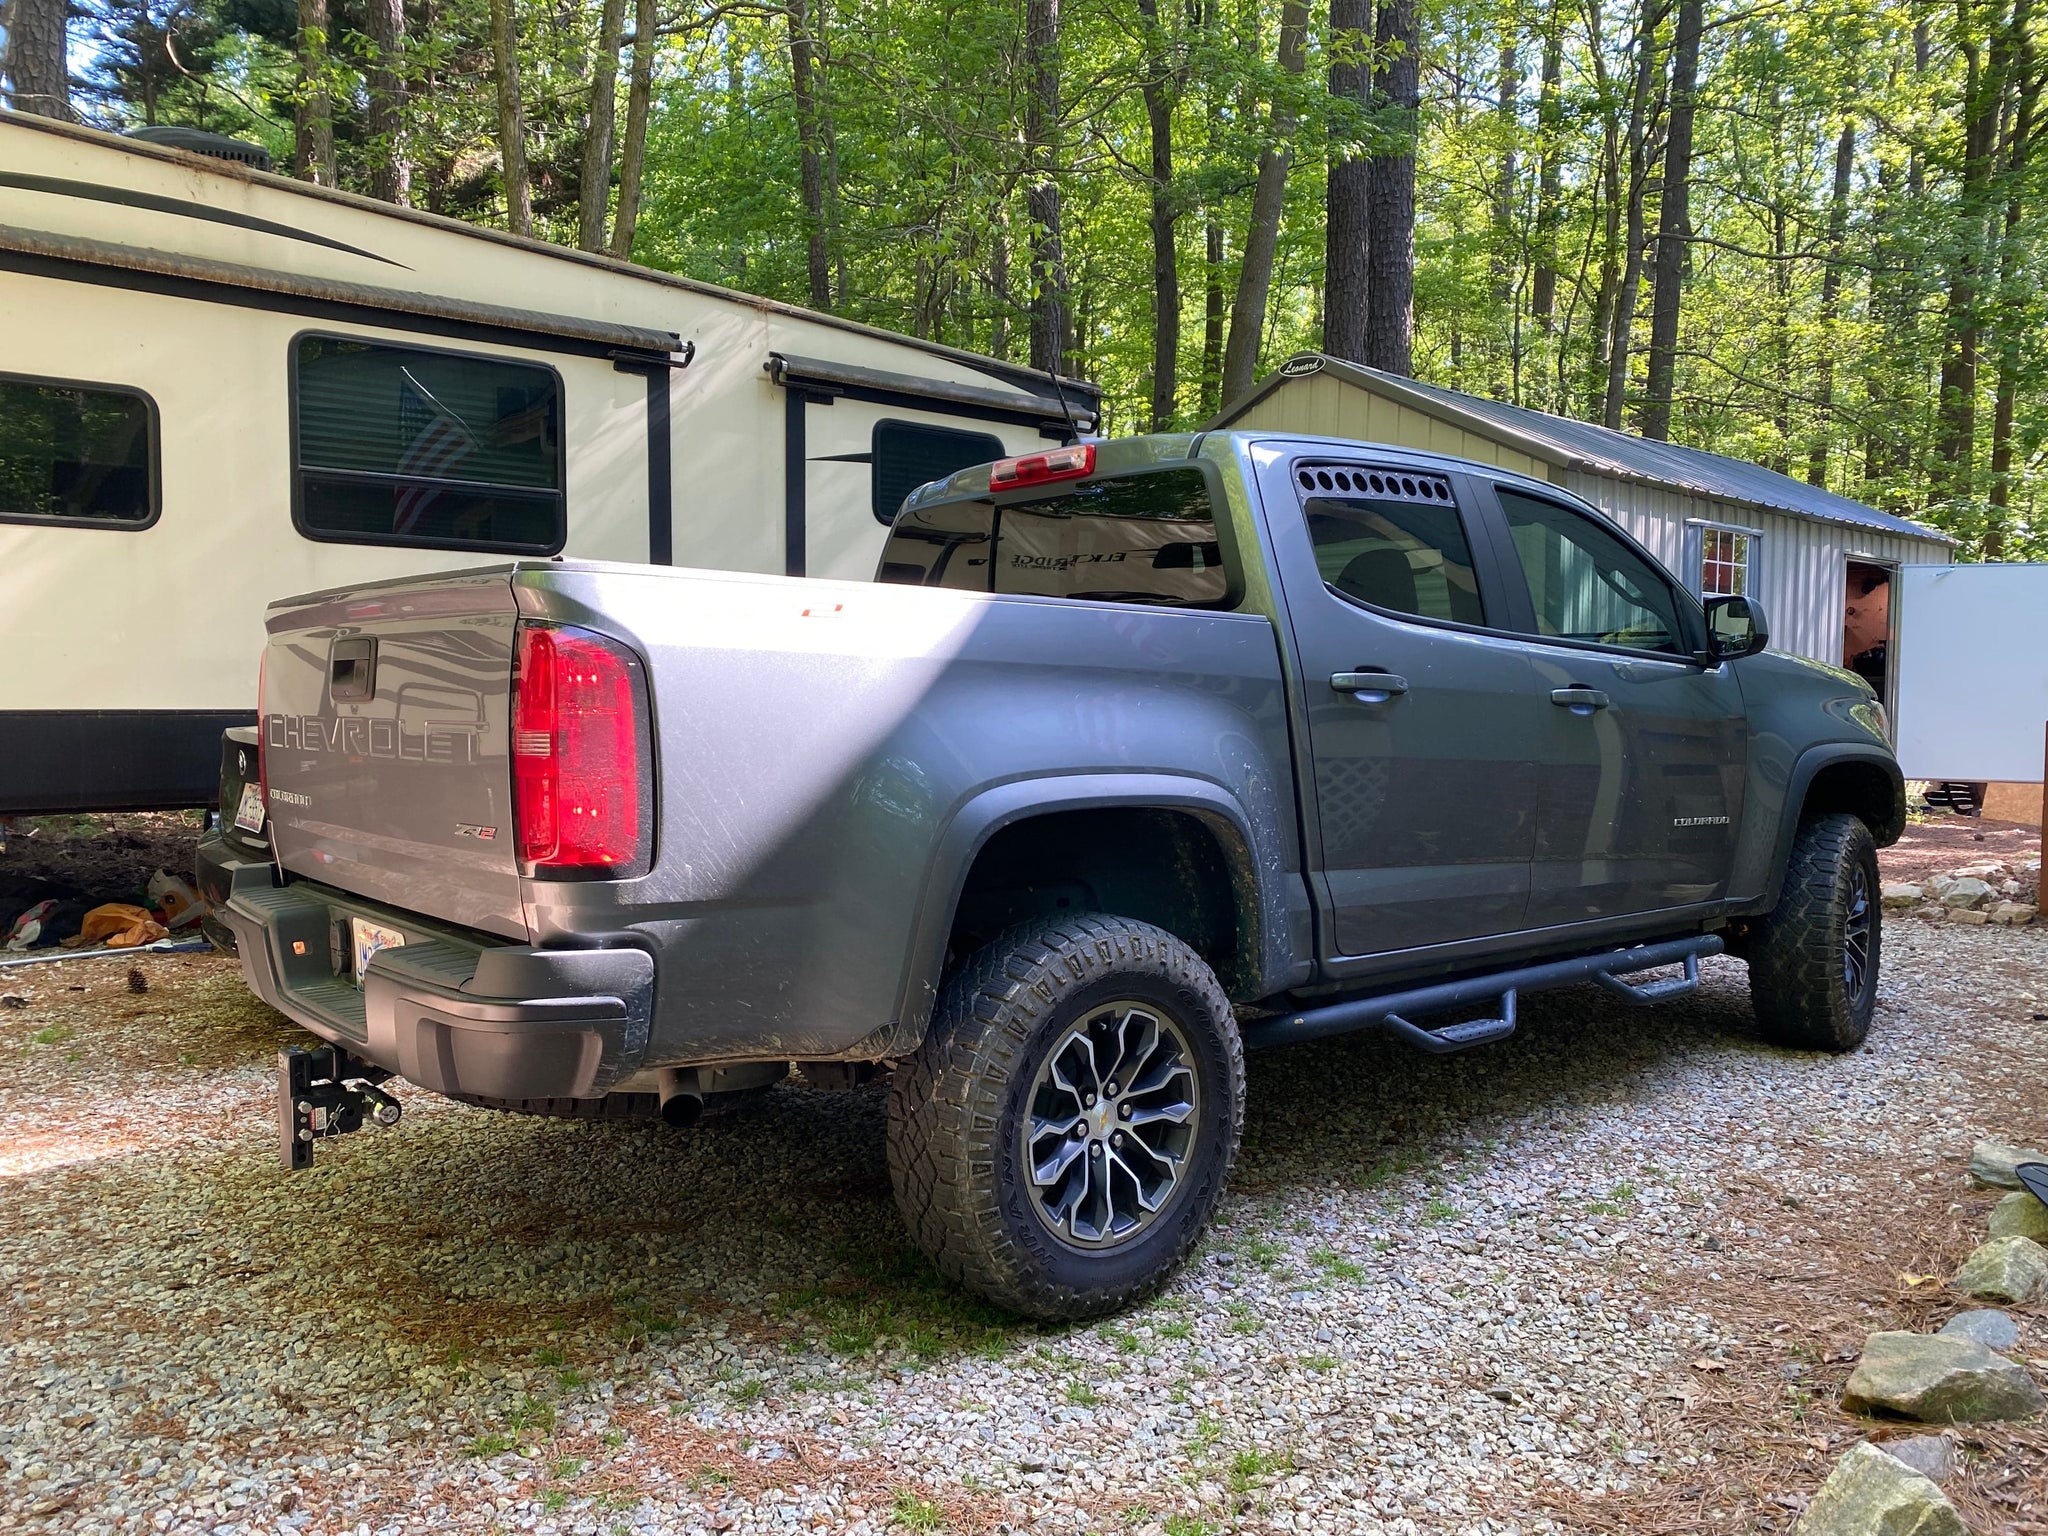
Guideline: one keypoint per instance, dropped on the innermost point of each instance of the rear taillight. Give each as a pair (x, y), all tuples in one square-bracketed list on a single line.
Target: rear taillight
[(1069, 463), (580, 763)]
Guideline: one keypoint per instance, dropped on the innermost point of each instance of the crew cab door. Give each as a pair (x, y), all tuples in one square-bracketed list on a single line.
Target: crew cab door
[(1640, 750), (1420, 724)]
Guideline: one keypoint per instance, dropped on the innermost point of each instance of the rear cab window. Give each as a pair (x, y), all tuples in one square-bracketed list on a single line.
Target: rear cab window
[(1148, 538)]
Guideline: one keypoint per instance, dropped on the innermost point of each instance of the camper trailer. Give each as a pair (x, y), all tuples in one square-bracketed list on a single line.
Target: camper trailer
[(219, 385)]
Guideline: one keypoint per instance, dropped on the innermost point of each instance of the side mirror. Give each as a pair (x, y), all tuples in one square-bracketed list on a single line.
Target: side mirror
[(1736, 628)]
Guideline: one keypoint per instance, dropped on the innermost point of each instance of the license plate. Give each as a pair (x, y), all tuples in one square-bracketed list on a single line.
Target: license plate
[(249, 812), (367, 939)]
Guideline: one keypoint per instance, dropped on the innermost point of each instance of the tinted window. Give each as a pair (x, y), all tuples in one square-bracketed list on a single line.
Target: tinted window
[(1586, 584), (1406, 556), (397, 445), (1147, 538), (906, 454), (75, 451)]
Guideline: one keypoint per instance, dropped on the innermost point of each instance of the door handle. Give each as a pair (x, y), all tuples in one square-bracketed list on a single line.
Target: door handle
[(1579, 700), (1369, 687)]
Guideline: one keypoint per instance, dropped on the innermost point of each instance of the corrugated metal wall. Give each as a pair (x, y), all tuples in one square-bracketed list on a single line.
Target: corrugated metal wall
[(1798, 564)]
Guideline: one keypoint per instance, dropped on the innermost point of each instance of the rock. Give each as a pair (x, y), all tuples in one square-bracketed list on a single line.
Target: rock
[(1994, 1330), (1901, 895), (1932, 1456), (1992, 1162), (1965, 915), (1965, 893), (1979, 872), (2011, 914), (1872, 1494), (2005, 1269), (1941, 1378), (2019, 1214)]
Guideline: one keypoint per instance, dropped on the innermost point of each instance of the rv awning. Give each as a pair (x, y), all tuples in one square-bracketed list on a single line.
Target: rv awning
[(1020, 407), (221, 282)]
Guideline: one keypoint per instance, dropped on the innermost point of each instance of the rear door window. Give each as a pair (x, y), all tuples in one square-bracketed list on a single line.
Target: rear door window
[(77, 454), (1393, 540), (1149, 538)]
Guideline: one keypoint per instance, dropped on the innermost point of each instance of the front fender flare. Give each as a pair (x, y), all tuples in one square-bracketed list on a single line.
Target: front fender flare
[(1805, 768)]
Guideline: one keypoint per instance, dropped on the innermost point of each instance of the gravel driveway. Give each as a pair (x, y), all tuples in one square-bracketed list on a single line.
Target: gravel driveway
[(1568, 1282)]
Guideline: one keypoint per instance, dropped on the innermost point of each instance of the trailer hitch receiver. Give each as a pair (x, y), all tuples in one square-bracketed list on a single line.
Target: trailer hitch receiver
[(326, 1092)]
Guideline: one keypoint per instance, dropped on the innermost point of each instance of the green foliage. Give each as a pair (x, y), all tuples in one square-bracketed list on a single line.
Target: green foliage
[(1824, 341)]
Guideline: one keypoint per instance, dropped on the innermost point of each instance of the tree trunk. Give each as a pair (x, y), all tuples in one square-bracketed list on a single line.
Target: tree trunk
[(1507, 172), (1050, 331), (1159, 93), (1636, 233), (1984, 98), (633, 154), (1347, 227), (803, 71), (1212, 319), (1674, 227), (390, 162), (511, 119), (999, 286), (1549, 180), (313, 112), (594, 186), (1390, 310), (1255, 271), (1831, 303), (36, 67), (2009, 316)]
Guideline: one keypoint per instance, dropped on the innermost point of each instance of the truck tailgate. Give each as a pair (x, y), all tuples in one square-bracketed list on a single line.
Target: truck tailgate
[(386, 745)]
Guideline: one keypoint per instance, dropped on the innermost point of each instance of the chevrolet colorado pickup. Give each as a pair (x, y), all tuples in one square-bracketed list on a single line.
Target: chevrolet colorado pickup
[(1134, 755)]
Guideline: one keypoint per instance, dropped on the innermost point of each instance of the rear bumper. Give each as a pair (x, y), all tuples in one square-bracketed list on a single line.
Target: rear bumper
[(450, 1011)]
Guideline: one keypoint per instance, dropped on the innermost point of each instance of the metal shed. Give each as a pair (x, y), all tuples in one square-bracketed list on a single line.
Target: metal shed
[(1722, 525)]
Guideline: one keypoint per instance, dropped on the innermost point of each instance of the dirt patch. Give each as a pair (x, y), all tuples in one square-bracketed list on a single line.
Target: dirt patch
[(1942, 844), (94, 858)]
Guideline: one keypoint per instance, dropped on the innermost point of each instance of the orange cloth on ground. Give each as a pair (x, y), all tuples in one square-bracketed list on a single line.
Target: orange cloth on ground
[(120, 926)]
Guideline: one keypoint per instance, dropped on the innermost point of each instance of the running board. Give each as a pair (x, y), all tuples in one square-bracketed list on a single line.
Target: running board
[(1388, 1010)]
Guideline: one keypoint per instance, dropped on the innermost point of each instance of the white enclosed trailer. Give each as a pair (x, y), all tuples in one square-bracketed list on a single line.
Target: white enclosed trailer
[(218, 386)]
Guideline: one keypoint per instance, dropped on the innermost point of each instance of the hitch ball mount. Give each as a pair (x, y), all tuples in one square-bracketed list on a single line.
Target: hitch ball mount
[(326, 1092)]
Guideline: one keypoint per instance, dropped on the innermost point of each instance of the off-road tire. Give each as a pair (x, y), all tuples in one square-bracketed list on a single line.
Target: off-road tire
[(956, 1107), (1797, 979)]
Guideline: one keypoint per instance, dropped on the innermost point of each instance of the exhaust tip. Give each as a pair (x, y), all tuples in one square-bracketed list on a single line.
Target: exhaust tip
[(682, 1100)]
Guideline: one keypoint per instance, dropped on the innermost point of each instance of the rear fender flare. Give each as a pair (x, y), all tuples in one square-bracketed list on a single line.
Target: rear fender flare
[(983, 815)]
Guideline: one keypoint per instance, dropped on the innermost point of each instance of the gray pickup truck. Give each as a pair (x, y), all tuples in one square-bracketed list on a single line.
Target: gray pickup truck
[(1134, 755)]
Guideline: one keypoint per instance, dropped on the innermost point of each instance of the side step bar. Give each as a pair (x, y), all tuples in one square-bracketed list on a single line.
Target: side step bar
[(1387, 1010)]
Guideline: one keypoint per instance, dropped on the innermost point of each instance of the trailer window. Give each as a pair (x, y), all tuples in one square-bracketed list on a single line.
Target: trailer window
[(905, 454), (407, 445), (1148, 538), (79, 454)]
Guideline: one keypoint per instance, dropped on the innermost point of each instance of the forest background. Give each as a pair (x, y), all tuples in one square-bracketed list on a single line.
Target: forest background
[(1806, 233)]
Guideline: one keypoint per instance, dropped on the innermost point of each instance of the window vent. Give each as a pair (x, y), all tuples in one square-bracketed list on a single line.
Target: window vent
[(215, 146), (1386, 484)]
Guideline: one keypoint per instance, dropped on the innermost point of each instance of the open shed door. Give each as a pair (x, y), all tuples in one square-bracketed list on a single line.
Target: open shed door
[(1972, 671)]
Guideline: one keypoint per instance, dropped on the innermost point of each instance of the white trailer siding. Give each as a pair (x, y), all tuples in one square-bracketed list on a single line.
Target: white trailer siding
[(187, 280)]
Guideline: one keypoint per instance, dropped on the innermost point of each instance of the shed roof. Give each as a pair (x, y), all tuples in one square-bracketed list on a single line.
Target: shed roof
[(1569, 444)]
